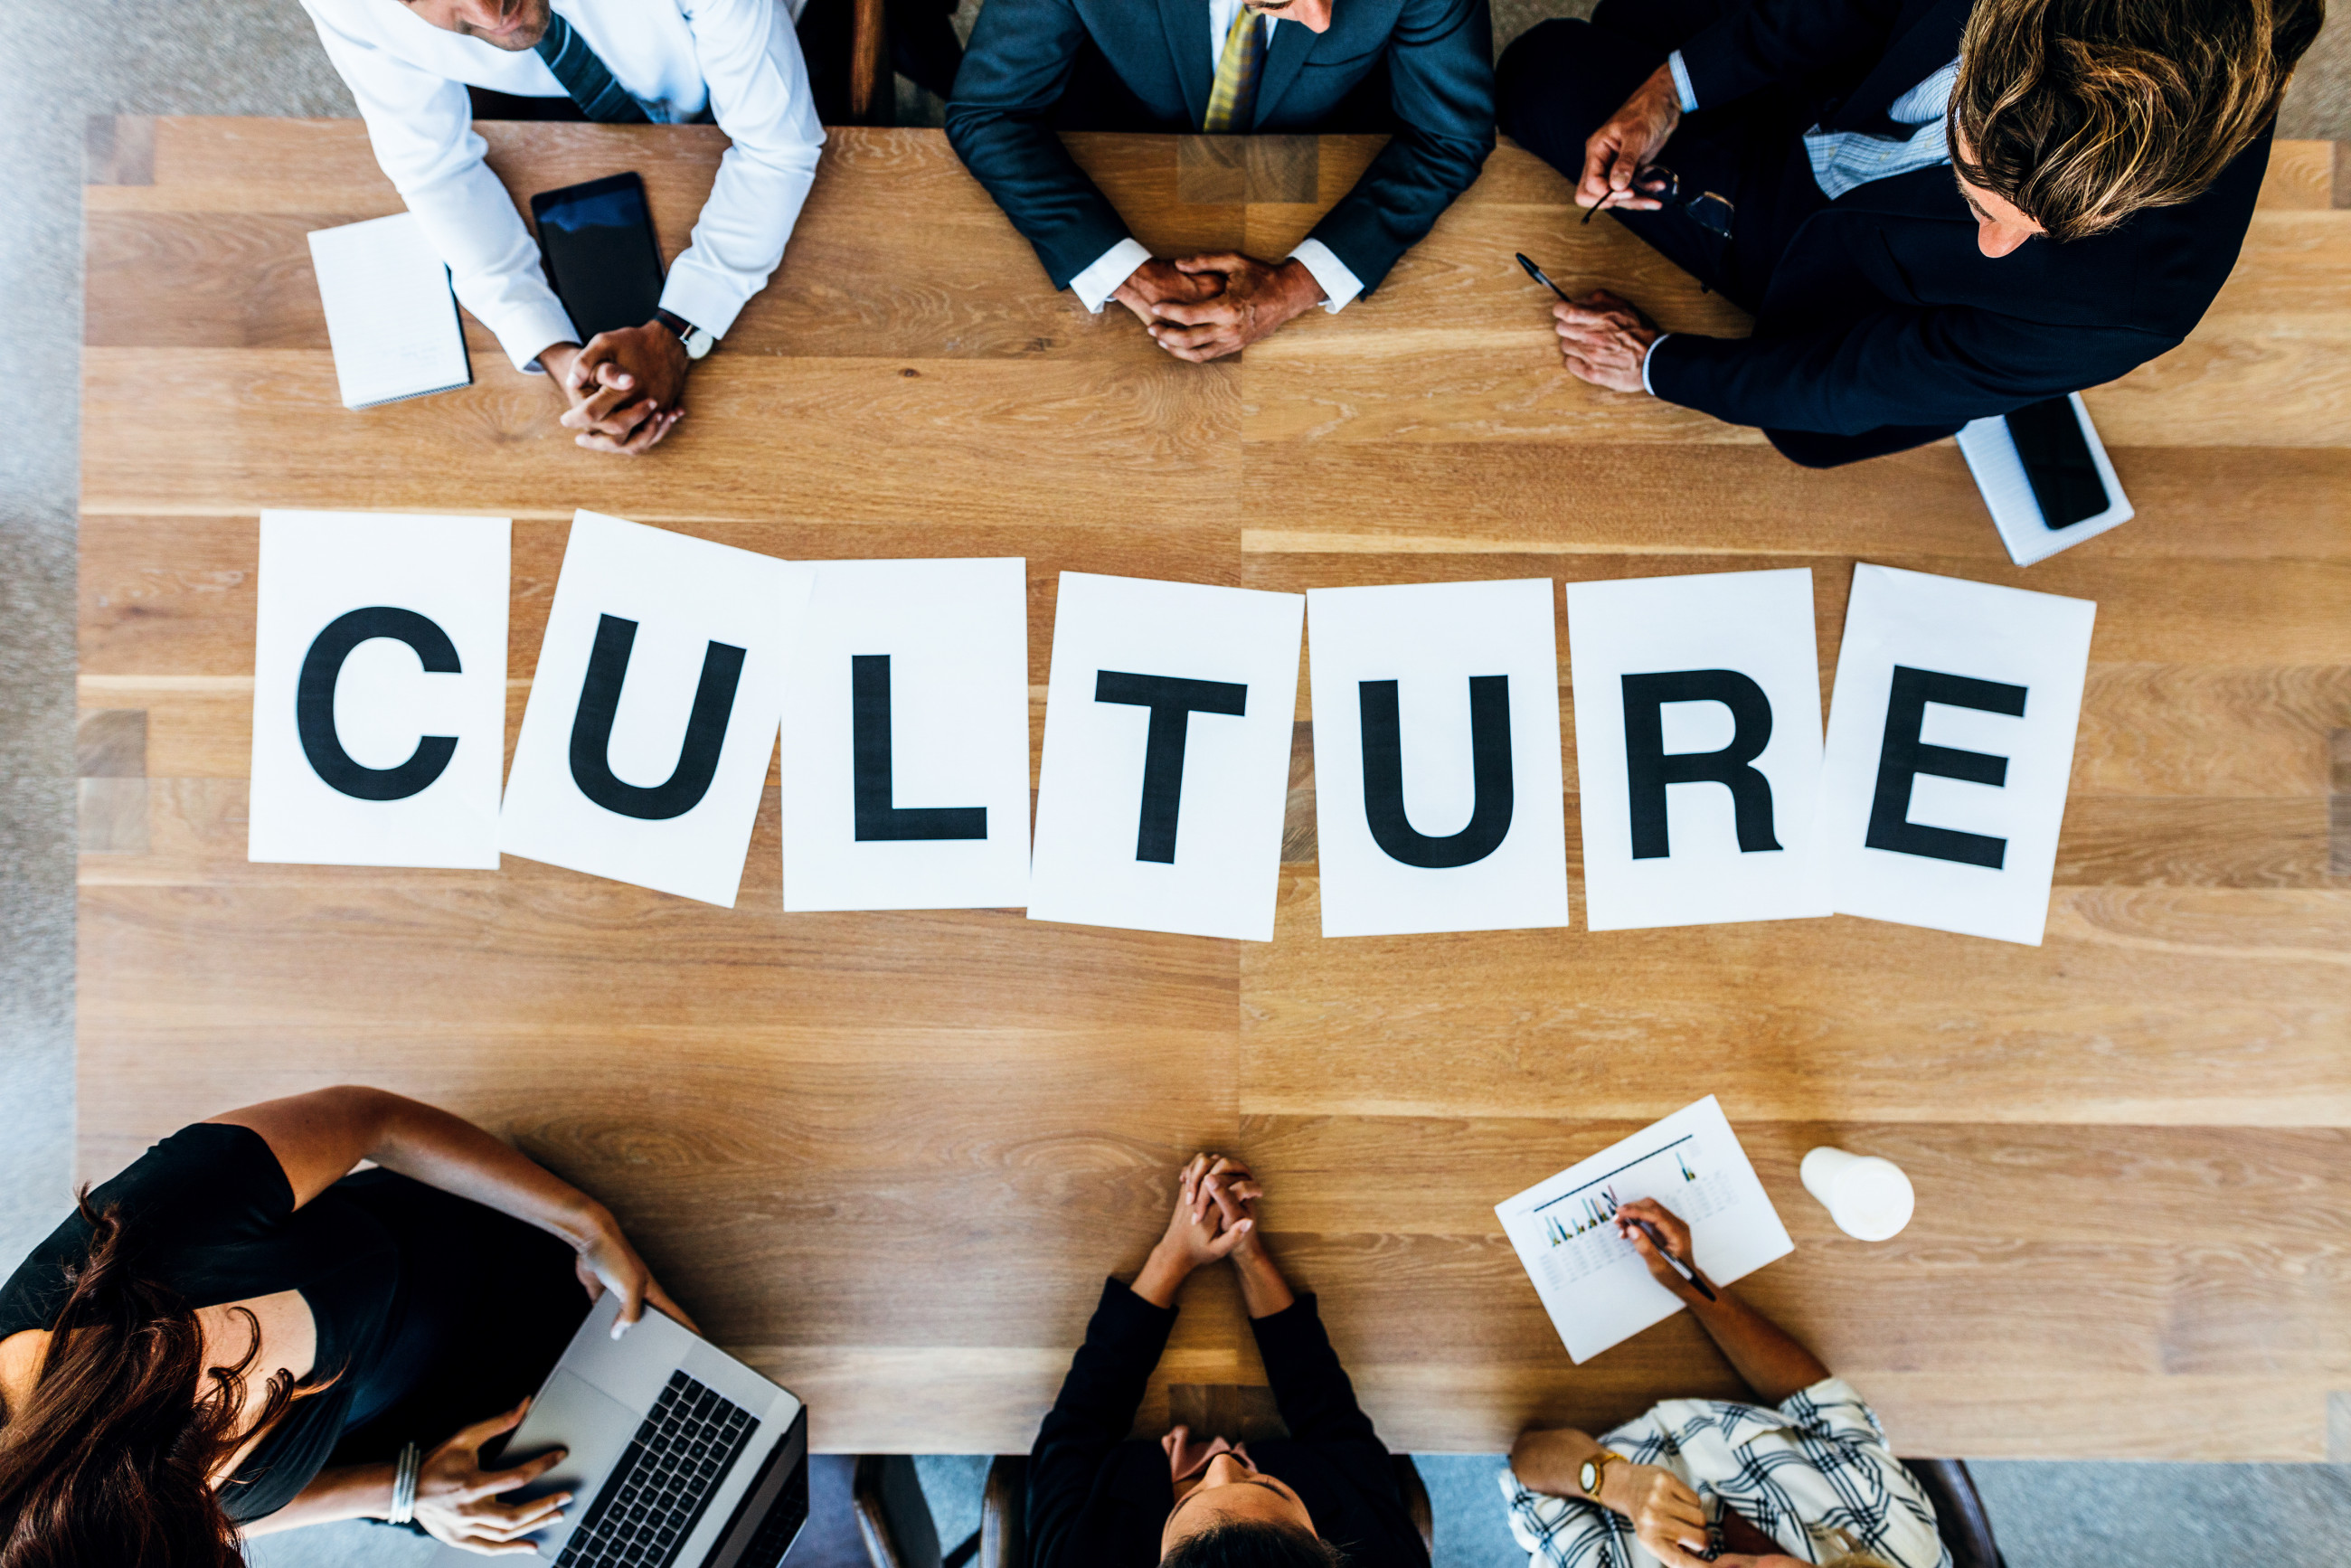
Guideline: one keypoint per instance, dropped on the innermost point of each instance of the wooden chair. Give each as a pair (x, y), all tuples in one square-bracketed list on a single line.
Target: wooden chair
[(873, 90)]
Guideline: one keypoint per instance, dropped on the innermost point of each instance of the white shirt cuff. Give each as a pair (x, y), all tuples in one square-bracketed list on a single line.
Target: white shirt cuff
[(1682, 82), (1338, 280), (1097, 283), (529, 331), (1645, 363)]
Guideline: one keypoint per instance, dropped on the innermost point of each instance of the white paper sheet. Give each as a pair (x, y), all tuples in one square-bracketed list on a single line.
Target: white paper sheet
[(392, 318), (939, 651), (1975, 650), (1592, 1284), (378, 597), (1197, 850), (1446, 653), (1746, 640), (696, 607), (1992, 456)]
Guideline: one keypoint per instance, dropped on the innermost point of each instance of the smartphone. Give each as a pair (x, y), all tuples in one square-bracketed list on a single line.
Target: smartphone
[(2057, 462), (597, 242)]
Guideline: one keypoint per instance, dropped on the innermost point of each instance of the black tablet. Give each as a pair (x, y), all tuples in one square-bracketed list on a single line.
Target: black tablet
[(597, 242)]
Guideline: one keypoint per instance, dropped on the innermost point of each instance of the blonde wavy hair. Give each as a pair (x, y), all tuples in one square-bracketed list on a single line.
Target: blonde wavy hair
[(2081, 112)]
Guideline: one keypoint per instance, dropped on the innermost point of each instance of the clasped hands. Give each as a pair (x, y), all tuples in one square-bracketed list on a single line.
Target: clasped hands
[(1202, 308), (1215, 1220), (624, 392)]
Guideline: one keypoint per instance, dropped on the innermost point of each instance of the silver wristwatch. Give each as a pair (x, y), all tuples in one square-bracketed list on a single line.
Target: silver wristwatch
[(697, 341)]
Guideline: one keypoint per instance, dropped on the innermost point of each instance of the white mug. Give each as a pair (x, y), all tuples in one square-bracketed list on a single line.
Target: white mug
[(1869, 1198)]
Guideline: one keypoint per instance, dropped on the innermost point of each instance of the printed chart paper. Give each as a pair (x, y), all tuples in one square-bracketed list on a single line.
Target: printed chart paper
[(1697, 736), (1592, 1284), (1438, 799), (379, 690), (905, 737), (1166, 768), (1950, 746), (654, 711)]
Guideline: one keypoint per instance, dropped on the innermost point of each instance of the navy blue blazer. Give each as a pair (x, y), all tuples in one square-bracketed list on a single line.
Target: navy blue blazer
[(1420, 68), (1882, 312)]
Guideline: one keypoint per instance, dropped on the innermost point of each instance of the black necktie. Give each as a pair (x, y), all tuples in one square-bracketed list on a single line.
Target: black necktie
[(586, 78)]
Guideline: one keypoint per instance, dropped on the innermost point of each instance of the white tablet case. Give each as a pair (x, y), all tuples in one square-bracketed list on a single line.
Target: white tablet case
[(1992, 457)]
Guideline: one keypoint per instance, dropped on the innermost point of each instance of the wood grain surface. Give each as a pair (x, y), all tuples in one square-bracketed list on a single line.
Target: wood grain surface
[(888, 1157)]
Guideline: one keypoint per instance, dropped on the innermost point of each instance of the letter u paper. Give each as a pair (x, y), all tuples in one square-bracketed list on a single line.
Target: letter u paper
[(1438, 796), (654, 709), (1697, 747)]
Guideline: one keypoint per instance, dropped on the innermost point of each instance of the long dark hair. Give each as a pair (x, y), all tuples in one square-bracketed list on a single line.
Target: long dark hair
[(111, 1459), (1253, 1546)]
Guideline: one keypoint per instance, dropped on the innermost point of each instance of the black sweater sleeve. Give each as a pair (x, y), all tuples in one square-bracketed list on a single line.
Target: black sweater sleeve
[(1318, 1403), (1092, 1416)]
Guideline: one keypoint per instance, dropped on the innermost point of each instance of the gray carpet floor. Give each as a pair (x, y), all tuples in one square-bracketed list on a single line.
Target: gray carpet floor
[(68, 59)]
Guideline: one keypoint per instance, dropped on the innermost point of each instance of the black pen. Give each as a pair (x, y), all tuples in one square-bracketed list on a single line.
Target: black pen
[(1537, 273), (1688, 1274)]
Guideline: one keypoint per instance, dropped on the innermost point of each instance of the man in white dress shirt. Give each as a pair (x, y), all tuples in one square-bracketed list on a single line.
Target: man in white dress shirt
[(410, 62)]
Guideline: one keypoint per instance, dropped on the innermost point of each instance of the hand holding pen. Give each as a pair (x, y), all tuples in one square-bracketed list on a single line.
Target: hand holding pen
[(1663, 1243)]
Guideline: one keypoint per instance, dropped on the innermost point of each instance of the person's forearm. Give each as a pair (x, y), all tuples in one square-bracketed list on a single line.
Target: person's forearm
[(1163, 1275), (1551, 1462), (1263, 1289), (347, 1491), (1765, 1355), (450, 1153)]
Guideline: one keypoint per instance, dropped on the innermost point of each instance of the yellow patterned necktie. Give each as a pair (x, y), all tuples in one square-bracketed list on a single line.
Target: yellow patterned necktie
[(1234, 97)]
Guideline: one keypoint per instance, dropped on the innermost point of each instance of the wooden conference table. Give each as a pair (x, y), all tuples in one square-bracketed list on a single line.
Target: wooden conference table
[(889, 1157)]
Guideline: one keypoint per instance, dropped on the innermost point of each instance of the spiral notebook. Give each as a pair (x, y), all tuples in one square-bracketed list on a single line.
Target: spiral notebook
[(390, 315)]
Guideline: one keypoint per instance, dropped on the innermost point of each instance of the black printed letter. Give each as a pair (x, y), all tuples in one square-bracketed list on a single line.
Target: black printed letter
[(697, 757), (1171, 701), (1648, 769), (1490, 770), (314, 703), (1903, 756), (870, 780)]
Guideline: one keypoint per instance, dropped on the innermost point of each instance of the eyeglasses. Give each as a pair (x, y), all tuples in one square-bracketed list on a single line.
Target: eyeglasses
[(1658, 184)]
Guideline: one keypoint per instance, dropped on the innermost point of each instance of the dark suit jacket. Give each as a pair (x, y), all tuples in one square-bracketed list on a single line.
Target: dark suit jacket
[(1882, 311), (1422, 68), (1096, 1501)]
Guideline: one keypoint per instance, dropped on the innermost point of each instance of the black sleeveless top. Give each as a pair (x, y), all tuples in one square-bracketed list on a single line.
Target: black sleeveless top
[(432, 1311)]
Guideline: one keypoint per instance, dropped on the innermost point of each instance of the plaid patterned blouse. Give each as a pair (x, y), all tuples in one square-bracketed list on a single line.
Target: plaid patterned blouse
[(1814, 1475)]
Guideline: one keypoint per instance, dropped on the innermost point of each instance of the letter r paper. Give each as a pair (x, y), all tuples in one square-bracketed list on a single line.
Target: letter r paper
[(1949, 748), (379, 690), (653, 708), (1438, 803), (1168, 717), (1697, 747)]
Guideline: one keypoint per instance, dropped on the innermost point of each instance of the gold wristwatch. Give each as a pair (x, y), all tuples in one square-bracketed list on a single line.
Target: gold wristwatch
[(1595, 1467)]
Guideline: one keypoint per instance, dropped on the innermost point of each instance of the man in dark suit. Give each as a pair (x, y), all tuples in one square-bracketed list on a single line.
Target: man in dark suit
[(1418, 69), (1936, 210), (1098, 1500)]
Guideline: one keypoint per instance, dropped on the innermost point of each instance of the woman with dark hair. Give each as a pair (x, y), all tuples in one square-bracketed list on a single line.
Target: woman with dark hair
[(1324, 1495), (235, 1335)]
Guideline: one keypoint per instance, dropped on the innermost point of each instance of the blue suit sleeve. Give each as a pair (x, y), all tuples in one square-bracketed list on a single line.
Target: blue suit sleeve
[(1022, 55), (1909, 367), (1441, 76), (1767, 41)]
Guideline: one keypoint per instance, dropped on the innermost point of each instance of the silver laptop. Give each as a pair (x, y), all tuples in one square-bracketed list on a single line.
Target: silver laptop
[(679, 1453)]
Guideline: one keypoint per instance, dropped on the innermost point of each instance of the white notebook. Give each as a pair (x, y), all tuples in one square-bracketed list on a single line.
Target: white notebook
[(390, 312), (1592, 1284), (1999, 474)]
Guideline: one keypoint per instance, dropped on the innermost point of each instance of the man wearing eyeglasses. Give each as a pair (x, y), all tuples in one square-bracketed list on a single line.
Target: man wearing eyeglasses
[(1936, 210), (1418, 69)]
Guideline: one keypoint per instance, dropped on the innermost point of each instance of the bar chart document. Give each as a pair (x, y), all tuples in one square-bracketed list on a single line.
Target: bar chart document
[(1592, 1281)]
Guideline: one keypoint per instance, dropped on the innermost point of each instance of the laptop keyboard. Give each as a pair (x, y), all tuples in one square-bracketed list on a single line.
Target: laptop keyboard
[(655, 1495)]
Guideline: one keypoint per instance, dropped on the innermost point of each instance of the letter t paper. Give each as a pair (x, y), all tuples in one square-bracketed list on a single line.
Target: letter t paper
[(1169, 718)]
